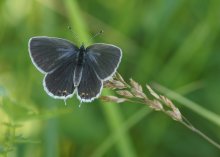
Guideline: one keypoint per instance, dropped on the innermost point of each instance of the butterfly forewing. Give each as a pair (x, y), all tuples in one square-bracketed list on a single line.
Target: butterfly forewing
[(48, 53), (90, 85), (59, 83), (104, 59)]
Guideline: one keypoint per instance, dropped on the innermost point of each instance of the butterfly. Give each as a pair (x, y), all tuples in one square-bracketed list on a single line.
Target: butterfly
[(70, 69)]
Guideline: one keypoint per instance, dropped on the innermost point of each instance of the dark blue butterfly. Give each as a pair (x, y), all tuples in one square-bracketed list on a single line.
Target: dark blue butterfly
[(69, 69)]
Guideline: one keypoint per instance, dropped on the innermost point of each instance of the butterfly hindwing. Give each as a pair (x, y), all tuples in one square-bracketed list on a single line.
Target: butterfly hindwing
[(90, 85), (48, 53), (59, 83), (104, 59)]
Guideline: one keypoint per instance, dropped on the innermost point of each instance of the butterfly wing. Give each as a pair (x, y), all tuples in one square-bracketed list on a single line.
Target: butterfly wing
[(90, 85), (104, 59), (59, 83), (48, 53)]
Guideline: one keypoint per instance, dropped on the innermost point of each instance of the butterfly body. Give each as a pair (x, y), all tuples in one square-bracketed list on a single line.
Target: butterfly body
[(79, 65), (69, 69)]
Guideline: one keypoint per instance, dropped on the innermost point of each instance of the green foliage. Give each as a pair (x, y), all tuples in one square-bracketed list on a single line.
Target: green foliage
[(173, 43)]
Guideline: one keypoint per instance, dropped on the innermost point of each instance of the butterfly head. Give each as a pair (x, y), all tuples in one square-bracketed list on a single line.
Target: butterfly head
[(82, 47)]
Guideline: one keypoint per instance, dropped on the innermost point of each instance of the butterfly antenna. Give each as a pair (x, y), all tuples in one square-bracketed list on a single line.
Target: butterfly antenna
[(97, 34), (74, 34)]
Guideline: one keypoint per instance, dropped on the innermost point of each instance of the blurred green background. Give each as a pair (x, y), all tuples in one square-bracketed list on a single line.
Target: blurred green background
[(172, 42)]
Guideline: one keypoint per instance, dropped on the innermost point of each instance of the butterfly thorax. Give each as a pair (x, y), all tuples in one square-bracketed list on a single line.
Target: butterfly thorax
[(79, 66), (80, 57)]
